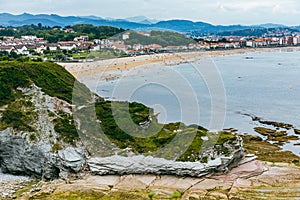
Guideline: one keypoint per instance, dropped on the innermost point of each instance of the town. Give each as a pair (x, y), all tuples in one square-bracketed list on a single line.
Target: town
[(79, 48)]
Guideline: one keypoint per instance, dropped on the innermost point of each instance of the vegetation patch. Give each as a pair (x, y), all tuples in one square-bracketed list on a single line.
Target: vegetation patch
[(163, 38), (267, 151), (92, 195), (143, 135), (19, 115), (55, 34), (65, 127)]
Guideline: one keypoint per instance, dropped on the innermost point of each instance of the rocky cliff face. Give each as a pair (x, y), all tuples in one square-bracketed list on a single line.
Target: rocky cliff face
[(40, 150)]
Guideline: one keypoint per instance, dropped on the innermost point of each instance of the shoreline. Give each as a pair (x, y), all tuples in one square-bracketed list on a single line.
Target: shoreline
[(254, 180), (86, 69)]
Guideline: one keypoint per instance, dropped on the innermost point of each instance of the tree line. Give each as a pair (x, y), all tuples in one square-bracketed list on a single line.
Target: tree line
[(163, 38), (57, 33)]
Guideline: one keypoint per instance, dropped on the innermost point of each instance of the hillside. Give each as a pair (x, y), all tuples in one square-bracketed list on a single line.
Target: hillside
[(163, 38), (49, 129)]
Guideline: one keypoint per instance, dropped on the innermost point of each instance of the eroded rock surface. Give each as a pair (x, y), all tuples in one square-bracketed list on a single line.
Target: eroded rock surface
[(34, 153), (250, 180), (140, 164)]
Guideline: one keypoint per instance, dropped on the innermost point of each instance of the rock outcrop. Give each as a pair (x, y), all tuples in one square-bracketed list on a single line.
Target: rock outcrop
[(20, 157), (39, 153), (140, 164)]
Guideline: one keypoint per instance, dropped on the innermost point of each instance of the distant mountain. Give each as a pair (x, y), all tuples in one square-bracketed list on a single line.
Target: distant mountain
[(92, 17), (7, 19), (140, 23), (270, 25), (141, 20), (189, 26)]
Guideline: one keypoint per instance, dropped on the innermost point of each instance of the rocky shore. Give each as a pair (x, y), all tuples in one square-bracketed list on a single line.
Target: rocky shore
[(42, 142), (253, 179)]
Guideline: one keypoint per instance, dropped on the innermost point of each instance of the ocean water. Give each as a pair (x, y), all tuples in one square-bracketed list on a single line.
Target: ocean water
[(217, 92)]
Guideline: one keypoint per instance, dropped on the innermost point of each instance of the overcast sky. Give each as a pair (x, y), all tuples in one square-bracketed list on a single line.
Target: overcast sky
[(213, 11)]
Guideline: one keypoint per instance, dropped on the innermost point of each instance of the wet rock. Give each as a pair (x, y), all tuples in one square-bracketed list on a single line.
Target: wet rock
[(272, 123), (277, 124), (278, 134), (273, 135), (283, 138), (251, 138), (264, 131), (232, 130), (297, 131)]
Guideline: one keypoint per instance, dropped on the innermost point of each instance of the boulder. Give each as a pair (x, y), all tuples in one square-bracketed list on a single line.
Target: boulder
[(18, 156)]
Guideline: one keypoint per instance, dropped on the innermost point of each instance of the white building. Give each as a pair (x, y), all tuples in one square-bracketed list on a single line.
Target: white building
[(67, 45), (296, 40), (126, 36), (250, 43), (29, 37)]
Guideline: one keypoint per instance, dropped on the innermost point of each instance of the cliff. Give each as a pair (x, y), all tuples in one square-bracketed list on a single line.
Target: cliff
[(49, 129), (35, 100)]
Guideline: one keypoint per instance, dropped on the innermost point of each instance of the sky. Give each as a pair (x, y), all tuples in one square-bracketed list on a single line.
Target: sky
[(225, 12)]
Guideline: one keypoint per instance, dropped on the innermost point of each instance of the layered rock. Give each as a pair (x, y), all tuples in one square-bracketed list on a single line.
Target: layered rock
[(139, 164), (40, 153)]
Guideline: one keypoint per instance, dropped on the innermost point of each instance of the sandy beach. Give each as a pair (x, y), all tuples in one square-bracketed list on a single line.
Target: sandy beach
[(107, 67), (86, 69)]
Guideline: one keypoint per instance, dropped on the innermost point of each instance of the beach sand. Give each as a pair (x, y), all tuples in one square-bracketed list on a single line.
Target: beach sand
[(85, 69), (90, 69)]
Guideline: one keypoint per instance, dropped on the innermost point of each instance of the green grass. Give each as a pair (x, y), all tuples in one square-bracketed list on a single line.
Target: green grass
[(19, 115), (52, 78), (92, 195), (97, 55), (81, 55), (66, 129)]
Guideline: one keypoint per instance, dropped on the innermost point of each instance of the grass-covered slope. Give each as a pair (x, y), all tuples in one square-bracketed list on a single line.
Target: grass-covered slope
[(52, 78), (55, 81), (18, 110)]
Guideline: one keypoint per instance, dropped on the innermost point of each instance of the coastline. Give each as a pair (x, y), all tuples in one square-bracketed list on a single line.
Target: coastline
[(89, 69), (252, 180)]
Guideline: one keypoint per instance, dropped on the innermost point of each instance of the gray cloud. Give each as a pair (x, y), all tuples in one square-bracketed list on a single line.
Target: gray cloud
[(213, 11)]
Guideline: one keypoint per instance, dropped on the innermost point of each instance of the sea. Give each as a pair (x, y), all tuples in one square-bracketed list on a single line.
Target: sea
[(218, 92)]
